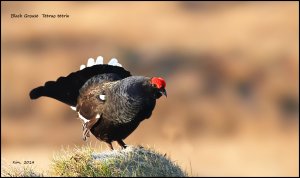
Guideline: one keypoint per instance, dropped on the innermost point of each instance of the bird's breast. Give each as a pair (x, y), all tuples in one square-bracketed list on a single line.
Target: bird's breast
[(121, 109)]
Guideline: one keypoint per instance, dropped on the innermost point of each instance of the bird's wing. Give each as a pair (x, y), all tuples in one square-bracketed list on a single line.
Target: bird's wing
[(66, 89), (91, 103)]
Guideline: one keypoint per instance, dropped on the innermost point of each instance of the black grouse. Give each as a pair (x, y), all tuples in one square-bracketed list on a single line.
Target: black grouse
[(110, 102)]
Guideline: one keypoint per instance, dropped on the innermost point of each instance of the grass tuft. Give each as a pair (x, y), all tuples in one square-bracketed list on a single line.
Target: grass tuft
[(87, 162), (19, 171)]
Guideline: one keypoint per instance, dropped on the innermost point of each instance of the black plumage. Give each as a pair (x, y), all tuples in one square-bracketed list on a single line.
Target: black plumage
[(66, 89), (110, 101)]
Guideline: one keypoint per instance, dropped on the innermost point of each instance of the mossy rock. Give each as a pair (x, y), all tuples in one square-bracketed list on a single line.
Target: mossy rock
[(87, 162), (132, 161)]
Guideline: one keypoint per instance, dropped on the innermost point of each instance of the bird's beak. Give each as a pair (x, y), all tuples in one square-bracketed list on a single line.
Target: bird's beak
[(163, 92)]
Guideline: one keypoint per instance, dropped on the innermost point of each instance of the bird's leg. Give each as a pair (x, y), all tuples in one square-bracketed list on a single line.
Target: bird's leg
[(87, 126), (110, 145), (122, 144), (85, 133)]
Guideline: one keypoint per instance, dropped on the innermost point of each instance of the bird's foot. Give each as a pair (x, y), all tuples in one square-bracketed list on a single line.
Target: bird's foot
[(110, 146), (122, 144)]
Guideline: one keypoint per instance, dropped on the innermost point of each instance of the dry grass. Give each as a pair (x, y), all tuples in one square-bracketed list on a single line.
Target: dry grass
[(20, 171)]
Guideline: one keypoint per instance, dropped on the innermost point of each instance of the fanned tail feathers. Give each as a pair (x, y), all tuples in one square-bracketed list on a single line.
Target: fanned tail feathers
[(66, 89)]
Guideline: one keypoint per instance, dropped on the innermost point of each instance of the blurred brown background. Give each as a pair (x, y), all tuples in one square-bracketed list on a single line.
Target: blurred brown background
[(232, 71)]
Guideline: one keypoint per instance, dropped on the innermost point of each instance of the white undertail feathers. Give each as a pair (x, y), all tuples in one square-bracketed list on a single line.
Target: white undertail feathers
[(99, 61)]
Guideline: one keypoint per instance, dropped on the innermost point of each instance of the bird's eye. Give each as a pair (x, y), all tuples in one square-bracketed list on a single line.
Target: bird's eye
[(102, 97)]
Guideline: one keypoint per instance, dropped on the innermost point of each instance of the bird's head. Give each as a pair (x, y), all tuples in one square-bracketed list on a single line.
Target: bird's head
[(159, 86)]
